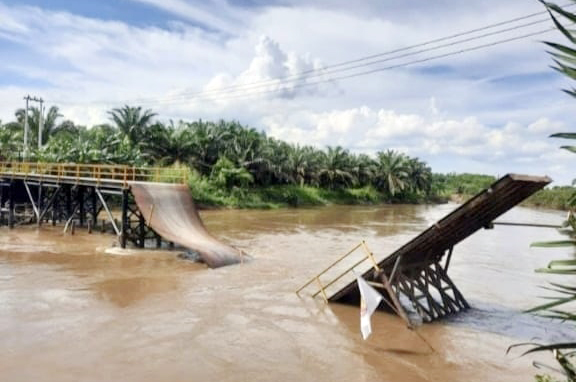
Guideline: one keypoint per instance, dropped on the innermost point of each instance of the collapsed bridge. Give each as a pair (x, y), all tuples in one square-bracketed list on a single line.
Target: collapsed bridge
[(155, 204), (417, 272)]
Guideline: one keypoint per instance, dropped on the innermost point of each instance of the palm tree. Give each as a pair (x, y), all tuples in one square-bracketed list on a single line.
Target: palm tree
[(419, 175), (168, 144), (132, 121), (364, 169), (336, 170), (391, 172), (208, 142), (10, 143), (48, 124)]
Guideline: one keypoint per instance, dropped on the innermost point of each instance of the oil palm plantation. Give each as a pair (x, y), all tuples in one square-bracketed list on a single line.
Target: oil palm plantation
[(132, 121)]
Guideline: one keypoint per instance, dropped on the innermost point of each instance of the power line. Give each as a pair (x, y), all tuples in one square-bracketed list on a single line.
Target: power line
[(322, 72), (230, 91), (345, 66), (372, 71)]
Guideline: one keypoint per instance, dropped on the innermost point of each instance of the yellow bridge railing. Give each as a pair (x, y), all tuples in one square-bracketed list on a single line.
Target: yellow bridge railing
[(367, 255), (93, 172)]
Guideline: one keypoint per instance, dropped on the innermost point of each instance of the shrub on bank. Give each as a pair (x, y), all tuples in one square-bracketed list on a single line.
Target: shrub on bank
[(560, 198)]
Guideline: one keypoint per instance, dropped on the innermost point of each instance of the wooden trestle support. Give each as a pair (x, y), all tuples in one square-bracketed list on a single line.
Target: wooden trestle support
[(81, 205), (428, 288)]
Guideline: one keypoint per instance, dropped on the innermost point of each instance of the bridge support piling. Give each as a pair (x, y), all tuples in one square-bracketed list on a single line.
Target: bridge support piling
[(2, 202), (141, 231), (11, 205), (125, 221), (81, 206), (39, 203), (94, 206), (55, 210), (68, 201)]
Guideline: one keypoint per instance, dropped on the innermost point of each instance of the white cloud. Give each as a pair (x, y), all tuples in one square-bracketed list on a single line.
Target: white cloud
[(508, 148), (467, 116)]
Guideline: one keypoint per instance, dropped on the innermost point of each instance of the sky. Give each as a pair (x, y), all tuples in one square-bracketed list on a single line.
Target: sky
[(369, 75)]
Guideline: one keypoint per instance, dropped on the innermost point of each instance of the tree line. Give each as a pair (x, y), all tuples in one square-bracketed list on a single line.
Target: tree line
[(226, 152)]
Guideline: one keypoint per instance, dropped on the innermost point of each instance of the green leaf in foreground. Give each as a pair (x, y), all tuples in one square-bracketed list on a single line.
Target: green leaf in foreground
[(554, 244)]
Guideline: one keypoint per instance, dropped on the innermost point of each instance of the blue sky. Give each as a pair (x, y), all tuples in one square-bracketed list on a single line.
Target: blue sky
[(487, 110)]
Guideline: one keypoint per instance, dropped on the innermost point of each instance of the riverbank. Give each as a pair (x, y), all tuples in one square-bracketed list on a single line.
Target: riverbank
[(207, 195), (558, 198), (457, 188)]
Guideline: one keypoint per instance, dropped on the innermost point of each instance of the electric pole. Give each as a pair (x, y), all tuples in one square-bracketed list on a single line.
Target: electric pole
[(27, 98), (41, 124), (27, 127)]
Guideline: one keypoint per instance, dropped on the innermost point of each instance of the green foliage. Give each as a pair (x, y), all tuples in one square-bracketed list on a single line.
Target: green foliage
[(132, 121), (564, 58), (559, 197), (461, 184), (544, 378), (226, 174), (172, 174), (235, 165)]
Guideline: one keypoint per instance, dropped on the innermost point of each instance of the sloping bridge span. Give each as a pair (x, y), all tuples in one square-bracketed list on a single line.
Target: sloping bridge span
[(170, 211), (417, 272)]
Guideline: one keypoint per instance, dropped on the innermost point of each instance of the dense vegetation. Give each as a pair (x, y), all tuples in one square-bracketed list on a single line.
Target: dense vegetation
[(231, 164), (464, 185), (559, 197), (559, 307), (234, 165)]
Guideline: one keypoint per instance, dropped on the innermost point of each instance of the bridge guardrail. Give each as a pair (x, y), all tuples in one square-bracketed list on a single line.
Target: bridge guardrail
[(367, 255), (95, 172)]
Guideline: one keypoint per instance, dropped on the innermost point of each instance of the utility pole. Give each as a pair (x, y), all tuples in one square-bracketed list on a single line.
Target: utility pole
[(27, 98), (41, 124), (27, 127)]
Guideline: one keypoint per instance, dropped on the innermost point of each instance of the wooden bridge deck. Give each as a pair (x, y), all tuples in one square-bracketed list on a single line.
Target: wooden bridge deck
[(92, 175)]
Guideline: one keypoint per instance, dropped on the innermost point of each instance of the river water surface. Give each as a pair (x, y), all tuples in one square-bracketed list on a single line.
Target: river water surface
[(74, 309)]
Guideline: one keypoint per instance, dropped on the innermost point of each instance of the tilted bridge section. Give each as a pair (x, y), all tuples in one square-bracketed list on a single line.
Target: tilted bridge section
[(155, 204), (417, 272)]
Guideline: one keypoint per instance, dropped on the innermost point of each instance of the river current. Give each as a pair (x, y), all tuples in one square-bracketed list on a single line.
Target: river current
[(76, 308)]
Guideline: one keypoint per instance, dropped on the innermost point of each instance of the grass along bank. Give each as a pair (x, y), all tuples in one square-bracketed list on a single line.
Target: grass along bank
[(209, 192), (208, 195)]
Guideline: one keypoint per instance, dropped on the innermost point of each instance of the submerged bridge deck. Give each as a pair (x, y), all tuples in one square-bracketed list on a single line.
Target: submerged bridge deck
[(154, 203), (417, 271)]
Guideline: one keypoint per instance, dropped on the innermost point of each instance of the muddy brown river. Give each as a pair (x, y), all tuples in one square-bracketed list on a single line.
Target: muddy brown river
[(73, 308)]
